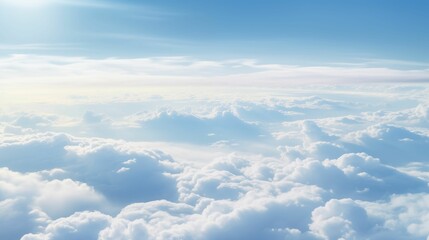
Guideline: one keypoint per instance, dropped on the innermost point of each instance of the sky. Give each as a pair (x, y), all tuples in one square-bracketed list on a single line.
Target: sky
[(207, 120), (296, 32)]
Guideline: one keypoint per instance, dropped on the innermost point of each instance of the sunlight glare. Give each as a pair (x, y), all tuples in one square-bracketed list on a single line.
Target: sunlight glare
[(25, 3)]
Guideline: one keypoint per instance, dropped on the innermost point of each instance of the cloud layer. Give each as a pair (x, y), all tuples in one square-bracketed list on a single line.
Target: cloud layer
[(307, 166), (174, 71)]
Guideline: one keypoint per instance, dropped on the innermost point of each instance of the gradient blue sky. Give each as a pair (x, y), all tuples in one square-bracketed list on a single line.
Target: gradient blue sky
[(293, 31)]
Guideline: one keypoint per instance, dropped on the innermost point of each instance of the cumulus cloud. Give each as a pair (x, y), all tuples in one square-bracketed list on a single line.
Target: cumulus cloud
[(190, 128), (30, 201), (355, 175), (123, 174), (307, 166), (394, 145), (341, 219), (81, 225)]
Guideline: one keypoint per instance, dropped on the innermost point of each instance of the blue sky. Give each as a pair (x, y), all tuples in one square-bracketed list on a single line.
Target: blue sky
[(299, 32)]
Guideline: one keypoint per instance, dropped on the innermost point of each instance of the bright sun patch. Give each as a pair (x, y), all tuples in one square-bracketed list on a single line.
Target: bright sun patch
[(26, 3)]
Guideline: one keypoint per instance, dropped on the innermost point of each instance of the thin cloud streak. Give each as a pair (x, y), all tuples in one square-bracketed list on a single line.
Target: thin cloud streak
[(41, 70)]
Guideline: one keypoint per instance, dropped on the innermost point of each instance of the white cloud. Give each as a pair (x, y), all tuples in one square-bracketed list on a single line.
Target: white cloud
[(30, 201), (81, 225), (190, 128), (406, 213), (299, 166), (342, 219), (78, 71)]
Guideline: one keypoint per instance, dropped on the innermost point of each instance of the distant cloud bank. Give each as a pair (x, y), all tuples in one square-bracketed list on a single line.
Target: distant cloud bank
[(78, 71)]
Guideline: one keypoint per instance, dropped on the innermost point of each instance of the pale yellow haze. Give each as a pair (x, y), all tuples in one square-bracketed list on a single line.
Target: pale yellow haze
[(55, 79)]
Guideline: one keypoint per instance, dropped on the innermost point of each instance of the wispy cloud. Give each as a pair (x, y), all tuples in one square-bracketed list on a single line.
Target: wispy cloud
[(147, 39), (37, 69), (37, 46), (135, 10), (379, 62), (91, 3)]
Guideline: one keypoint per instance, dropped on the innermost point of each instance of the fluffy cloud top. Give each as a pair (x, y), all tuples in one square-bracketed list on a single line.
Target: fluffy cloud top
[(301, 167)]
